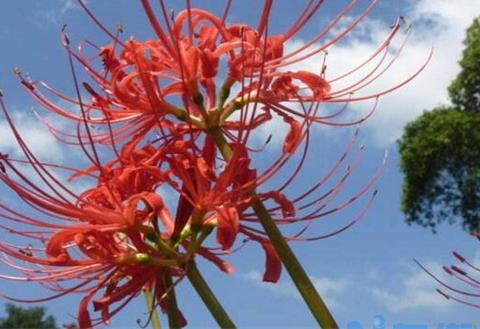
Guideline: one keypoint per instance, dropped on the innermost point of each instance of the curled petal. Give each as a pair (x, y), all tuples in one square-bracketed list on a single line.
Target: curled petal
[(228, 225), (273, 265), (220, 263), (314, 82), (294, 136), (283, 87), (84, 320), (287, 206), (55, 250)]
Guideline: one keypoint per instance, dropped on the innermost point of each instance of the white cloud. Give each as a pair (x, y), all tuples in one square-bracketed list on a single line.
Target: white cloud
[(68, 5), (330, 289), (56, 14), (38, 138), (43, 145), (415, 290), (441, 23)]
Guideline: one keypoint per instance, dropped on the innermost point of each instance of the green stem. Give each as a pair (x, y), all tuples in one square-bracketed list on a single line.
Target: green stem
[(206, 294), (154, 320), (221, 142), (172, 307), (299, 277), (297, 273)]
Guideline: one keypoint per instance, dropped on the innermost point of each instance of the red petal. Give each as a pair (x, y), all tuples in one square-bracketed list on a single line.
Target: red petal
[(294, 135), (315, 83), (56, 250), (228, 225), (273, 265), (283, 87), (84, 320), (191, 62), (209, 64), (288, 208), (220, 263)]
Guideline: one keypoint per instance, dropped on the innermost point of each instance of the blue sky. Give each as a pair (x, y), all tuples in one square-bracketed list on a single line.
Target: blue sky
[(363, 272)]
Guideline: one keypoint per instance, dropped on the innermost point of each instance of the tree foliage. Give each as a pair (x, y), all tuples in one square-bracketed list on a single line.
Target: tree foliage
[(440, 156), (465, 89), (23, 318), (440, 151)]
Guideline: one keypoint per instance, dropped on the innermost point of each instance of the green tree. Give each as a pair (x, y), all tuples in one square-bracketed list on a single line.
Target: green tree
[(440, 151), (23, 318), (465, 89)]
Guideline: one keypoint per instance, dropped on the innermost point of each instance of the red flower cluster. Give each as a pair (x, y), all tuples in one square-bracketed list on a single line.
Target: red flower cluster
[(170, 122), (466, 272)]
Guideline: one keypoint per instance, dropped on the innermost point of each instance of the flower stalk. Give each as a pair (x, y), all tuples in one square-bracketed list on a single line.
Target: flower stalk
[(299, 277), (154, 319), (207, 296), (172, 307)]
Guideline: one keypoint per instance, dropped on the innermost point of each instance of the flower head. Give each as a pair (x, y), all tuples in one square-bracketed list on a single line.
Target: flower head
[(465, 272)]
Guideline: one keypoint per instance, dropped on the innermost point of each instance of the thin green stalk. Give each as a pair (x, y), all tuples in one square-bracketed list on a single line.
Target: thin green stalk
[(206, 294), (172, 307), (300, 278), (154, 319), (222, 144)]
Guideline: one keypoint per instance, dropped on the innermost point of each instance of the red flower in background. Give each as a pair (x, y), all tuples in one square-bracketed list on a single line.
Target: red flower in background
[(467, 291)]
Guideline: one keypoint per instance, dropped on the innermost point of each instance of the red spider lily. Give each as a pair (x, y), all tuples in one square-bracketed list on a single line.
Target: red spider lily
[(141, 83), (100, 241), (167, 120), (467, 273), (108, 238), (95, 217)]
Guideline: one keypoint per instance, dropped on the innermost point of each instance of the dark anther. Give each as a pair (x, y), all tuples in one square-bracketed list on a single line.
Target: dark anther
[(268, 139), (64, 37), (443, 294), (24, 81), (120, 27), (459, 257), (25, 252), (458, 270), (2, 166), (90, 89), (447, 270)]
